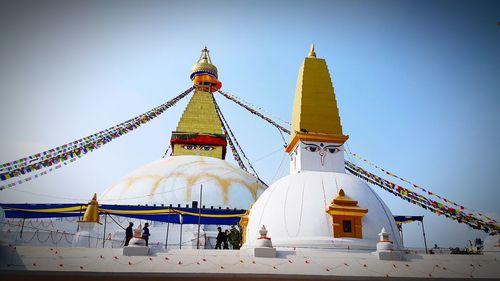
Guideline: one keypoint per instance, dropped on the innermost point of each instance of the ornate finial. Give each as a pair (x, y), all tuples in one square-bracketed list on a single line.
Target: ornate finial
[(204, 64), (384, 235), (138, 231), (342, 193), (204, 73), (385, 248), (263, 240), (312, 54), (205, 56), (263, 232)]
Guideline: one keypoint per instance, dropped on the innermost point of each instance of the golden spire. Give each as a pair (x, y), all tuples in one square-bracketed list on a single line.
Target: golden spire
[(199, 131), (315, 115), (200, 115), (312, 54), (92, 212)]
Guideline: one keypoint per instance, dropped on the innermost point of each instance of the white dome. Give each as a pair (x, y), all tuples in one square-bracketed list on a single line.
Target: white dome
[(293, 209), (177, 180)]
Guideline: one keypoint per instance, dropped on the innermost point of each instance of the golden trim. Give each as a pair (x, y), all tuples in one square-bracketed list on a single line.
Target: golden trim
[(344, 213), (298, 136)]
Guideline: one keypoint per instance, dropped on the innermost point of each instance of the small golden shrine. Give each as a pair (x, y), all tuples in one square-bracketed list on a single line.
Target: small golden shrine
[(346, 216), (92, 211), (243, 224)]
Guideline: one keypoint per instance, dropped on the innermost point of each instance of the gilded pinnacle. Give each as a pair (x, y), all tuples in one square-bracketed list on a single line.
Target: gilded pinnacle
[(312, 54)]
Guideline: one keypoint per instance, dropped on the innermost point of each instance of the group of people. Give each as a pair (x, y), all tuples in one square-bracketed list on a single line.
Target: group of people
[(223, 237), (129, 233), (232, 236)]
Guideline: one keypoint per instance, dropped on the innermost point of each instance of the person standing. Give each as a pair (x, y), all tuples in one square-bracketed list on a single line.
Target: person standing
[(128, 233), (220, 238), (145, 233), (224, 239), (235, 238)]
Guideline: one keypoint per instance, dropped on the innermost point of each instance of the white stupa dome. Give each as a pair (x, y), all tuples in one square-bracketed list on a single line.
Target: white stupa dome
[(293, 209), (177, 180)]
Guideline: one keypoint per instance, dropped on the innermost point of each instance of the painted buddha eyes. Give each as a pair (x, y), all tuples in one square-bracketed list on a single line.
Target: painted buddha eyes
[(199, 147), (311, 147), (189, 147), (207, 147), (331, 149)]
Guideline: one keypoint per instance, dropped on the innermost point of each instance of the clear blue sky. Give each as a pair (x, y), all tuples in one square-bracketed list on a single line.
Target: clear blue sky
[(417, 84)]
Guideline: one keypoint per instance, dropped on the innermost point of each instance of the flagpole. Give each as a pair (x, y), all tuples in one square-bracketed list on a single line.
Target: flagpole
[(104, 232), (423, 232), (199, 218), (22, 227), (168, 226), (180, 232)]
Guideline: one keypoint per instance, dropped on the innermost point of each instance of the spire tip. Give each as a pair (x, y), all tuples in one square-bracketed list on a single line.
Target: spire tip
[(312, 53)]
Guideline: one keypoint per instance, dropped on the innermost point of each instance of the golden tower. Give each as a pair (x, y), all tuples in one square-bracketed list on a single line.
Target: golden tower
[(315, 115), (199, 131)]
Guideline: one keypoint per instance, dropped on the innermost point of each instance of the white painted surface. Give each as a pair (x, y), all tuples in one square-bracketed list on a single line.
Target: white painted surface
[(135, 250), (305, 262), (264, 252), (293, 209), (317, 156), (86, 235), (177, 180)]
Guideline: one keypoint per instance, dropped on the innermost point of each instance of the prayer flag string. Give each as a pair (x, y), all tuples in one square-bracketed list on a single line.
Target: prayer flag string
[(413, 185), (470, 219), (80, 147), (231, 139), (253, 111)]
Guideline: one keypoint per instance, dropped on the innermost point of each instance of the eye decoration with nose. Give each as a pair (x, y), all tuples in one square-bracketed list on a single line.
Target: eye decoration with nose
[(322, 150)]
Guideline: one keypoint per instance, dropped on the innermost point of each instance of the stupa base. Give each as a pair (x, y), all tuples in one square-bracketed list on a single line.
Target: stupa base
[(135, 251), (389, 255), (261, 252)]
